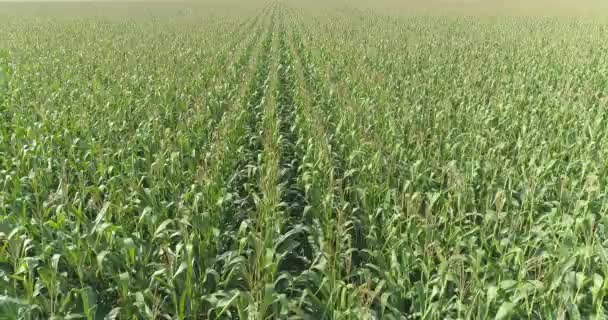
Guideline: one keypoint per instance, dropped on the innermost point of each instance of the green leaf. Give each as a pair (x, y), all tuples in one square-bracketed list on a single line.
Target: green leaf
[(102, 213), (181, 269), (100, 258), (113, 314), (55, 261), (507, 284), (504, 311), (491, 294), (162, 227)]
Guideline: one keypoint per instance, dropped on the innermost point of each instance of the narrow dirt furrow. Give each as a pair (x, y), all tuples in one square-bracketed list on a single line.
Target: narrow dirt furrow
[(240, 194), (348, 133), (326, 194), (327, 236), (291, 158), (204, 111), (236, 60), (348, 241), (231, 99), (263, 251), (324, 98), (327, 109), (245, 180), (228, 175)]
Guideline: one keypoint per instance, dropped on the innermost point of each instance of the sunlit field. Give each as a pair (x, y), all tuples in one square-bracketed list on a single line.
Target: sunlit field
[(304, 160)]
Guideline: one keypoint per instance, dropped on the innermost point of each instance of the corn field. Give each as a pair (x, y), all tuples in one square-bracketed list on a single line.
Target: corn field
[(294, 160)]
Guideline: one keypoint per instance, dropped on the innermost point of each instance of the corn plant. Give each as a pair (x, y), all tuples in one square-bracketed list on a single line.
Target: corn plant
[(302, 160)]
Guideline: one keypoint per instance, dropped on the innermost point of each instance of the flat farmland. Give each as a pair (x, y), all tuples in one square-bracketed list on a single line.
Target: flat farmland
[(304, 160)]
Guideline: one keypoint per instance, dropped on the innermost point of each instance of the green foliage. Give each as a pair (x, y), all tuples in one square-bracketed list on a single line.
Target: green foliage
[(297, 164), (4, 76)]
